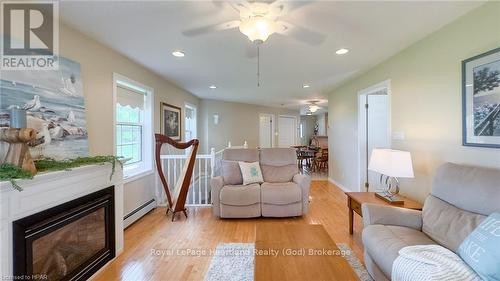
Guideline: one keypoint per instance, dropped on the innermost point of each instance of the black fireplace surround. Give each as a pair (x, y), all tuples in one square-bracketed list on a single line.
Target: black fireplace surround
[(68, 242)]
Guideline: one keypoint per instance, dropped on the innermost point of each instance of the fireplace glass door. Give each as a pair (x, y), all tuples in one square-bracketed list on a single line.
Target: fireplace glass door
[(67, 242)]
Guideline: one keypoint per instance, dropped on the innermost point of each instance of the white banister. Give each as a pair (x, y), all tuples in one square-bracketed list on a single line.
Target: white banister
[(206, 167)]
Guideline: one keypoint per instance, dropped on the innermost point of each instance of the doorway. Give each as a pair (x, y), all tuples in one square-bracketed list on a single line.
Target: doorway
[(266, 130), (287, 131), (374, 125)]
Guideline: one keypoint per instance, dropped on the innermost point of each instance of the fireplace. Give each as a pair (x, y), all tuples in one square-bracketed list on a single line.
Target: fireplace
[(68, 242)]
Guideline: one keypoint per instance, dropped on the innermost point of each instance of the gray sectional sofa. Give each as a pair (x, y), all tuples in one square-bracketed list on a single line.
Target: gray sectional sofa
[(462, 196), (284, 192)]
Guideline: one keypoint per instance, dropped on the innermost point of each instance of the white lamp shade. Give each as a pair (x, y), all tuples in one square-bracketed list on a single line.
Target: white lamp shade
[(393, 163)]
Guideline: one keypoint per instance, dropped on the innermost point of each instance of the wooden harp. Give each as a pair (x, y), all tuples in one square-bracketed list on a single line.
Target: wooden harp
[(177, 200)]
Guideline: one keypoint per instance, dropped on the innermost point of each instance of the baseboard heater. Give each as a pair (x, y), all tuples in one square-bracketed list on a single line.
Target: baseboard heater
[(138, 212)]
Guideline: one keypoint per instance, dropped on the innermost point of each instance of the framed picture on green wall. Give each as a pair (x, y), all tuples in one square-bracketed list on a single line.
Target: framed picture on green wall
[(481, 100)]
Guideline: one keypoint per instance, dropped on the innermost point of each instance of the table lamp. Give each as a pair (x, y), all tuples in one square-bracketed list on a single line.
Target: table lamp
[(391, 165)]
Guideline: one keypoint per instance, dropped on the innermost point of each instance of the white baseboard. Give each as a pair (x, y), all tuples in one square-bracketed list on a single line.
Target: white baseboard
[(345, 189), (138, 213)]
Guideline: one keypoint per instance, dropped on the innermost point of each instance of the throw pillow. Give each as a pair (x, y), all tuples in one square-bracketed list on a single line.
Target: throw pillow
[(231, 172), (251, 172), (481, 249)]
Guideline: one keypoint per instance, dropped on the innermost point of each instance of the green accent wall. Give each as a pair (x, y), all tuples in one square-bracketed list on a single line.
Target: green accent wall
[(425, 103)]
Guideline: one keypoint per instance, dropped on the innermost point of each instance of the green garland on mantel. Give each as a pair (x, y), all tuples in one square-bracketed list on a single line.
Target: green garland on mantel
[(11, 173)]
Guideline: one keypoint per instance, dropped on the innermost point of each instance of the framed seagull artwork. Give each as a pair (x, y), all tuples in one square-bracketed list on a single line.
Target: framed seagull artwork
[(55, 108)]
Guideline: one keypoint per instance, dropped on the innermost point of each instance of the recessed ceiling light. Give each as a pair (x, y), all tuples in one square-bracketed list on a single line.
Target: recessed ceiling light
[(305, 86), (178, 54), (342, 51), (213, 87)]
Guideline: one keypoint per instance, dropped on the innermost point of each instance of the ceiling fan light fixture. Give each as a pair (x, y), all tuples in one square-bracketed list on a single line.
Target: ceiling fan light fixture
[(213, 87), (313, 108), (257, 28)]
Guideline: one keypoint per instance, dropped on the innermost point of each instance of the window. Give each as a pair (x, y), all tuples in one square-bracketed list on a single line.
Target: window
[(129, 130), (133, 126), (190, 123)]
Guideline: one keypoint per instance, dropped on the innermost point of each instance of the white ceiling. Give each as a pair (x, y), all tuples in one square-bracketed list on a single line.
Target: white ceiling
[(147, 32)]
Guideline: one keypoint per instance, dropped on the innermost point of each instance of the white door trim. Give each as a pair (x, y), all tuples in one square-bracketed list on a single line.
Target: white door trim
[(362, 119), (195, 107), (273, 127), (296, 134)]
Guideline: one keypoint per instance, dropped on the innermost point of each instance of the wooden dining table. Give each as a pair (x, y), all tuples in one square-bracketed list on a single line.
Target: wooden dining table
[(306, 154)]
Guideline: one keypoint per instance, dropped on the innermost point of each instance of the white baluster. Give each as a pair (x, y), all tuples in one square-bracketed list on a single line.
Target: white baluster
[(199, 181), (206, 180), (193, 199), (175, 172)]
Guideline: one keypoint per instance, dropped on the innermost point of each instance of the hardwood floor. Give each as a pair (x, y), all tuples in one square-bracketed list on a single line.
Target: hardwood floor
[(153, 242)]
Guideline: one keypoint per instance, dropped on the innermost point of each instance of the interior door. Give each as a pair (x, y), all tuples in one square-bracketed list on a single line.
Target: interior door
[(287, 131), (378, 131), (266, 130)]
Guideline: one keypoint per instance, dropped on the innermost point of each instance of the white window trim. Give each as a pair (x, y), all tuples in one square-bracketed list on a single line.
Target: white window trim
[(145, 167)]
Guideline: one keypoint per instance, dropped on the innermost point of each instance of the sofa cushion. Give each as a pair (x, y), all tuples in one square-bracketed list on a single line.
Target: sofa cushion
[(240, 195), (474, 189), (383, 242), (447, 224), (241, 154), (280, 193), (231, 172), (279, 173), (278, 156)]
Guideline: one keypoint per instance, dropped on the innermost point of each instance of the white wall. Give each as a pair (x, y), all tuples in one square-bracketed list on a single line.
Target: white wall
[(426, 102), (322, 121), (308, 122)]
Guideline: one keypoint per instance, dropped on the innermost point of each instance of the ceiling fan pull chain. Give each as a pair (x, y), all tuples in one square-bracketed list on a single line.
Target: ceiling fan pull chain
[(258, 65)]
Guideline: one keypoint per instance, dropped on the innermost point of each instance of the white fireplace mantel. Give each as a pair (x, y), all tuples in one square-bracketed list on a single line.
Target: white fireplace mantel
[(47, 190)]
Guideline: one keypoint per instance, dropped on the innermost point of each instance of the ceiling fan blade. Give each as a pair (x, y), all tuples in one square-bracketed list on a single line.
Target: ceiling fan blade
[(211, 28), (300, 33), (218, 4), (283, 7), (242, 6)]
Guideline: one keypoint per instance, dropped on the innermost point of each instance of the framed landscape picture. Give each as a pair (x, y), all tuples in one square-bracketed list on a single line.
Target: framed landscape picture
[(481, 100), (170, 117)]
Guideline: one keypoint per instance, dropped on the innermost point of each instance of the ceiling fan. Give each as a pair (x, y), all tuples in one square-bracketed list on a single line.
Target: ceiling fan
[(259, 20)]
